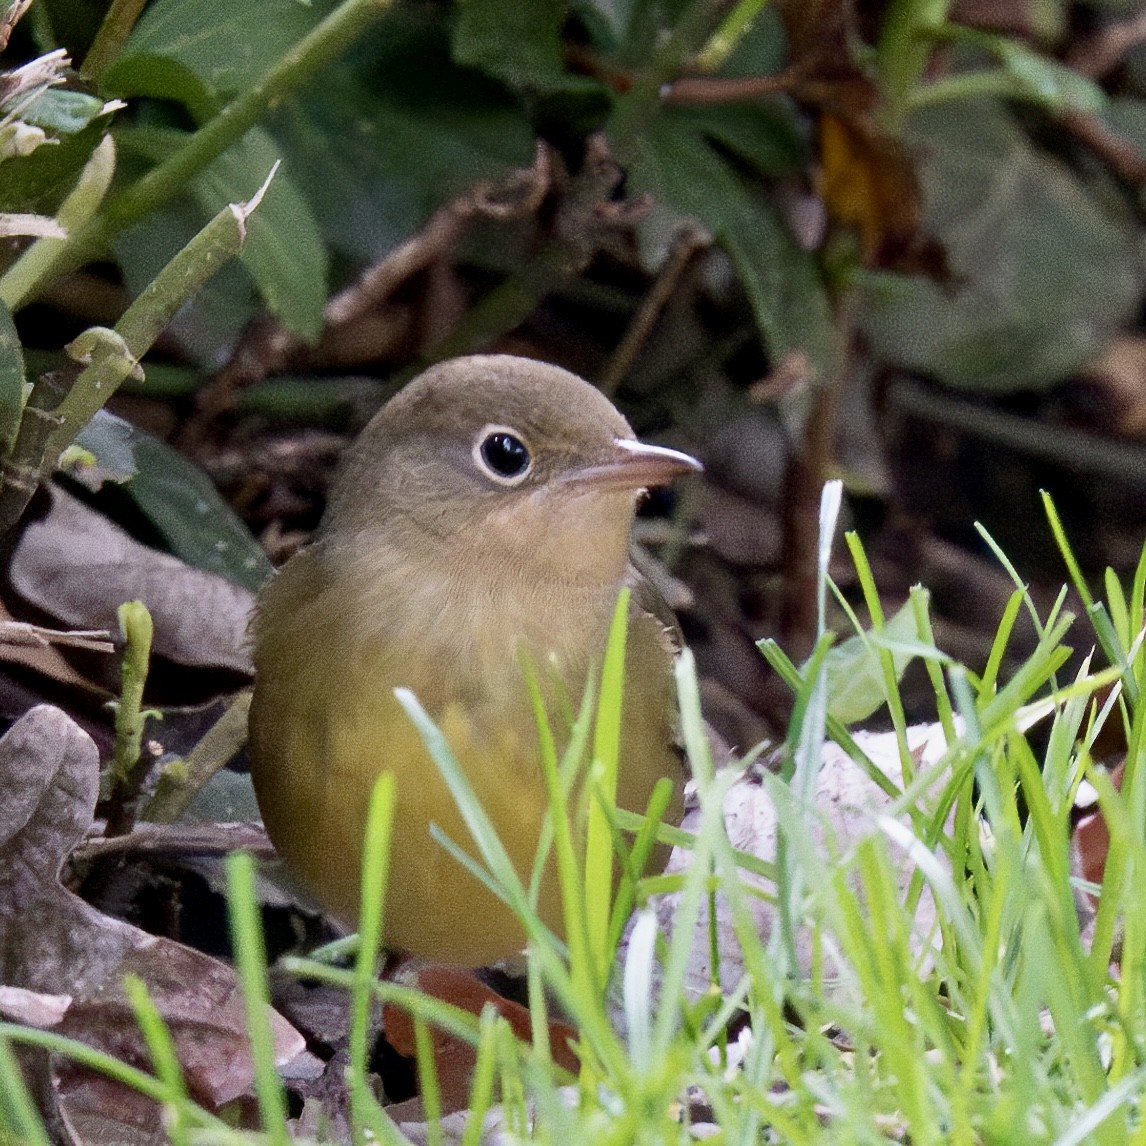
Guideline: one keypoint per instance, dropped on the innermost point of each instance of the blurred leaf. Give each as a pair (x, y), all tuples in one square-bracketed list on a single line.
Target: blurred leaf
[(1026, 74), (855, 684), (160, 77), (227, 798), (1127, 116), (177, 499), (11, 378), (1046, 81), (394, 134), (40, 181), (767, 134), (227, 44), (788, 297), (1044, 268), (514, 42), (284, 252), (762, 49), (608, 21)]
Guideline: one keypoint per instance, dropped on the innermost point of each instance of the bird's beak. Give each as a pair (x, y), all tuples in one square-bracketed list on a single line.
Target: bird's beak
[(635, 465)]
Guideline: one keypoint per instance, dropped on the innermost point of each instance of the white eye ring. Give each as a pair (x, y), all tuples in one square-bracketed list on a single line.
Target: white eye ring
[(502, 454)]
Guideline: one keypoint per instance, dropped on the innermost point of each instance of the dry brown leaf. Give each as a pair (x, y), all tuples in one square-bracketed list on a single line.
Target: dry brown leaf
[(53, 943), (79, 567), (868, 182), (1089, 848), (847, 801), (455, 1059)]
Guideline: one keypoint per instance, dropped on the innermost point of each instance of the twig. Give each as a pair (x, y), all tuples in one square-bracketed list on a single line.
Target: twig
[(688, 243), (180, 783), (1077, 451), (1098, 55), (519, 196), (1126, 161), (734, 89), (179, 839), (587, 219), (23, 634), (809, 470), (266, 348)]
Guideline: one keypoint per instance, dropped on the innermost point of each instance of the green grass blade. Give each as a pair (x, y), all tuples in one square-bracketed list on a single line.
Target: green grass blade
[(364, 1111), (251, 967)]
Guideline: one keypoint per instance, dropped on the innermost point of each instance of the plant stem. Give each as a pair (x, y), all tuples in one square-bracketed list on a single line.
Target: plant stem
[(179, 784), (113, 32)]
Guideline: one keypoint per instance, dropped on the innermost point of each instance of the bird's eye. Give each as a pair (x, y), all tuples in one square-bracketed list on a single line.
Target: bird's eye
[(502, 455)]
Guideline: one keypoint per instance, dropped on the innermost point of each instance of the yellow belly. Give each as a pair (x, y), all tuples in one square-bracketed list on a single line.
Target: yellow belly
[(325, 723)]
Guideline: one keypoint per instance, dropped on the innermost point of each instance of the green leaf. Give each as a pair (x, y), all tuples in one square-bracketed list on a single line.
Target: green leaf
[(179, 501), (147, 74), (39, 182), (855, 683), (284, 252), (761, 50), (515, 42), (227, 44), (11, 379), (395, 134), (109, 443), (767, 134), (1045, 81), (1026, 75), (1044, 267), (678, 166)]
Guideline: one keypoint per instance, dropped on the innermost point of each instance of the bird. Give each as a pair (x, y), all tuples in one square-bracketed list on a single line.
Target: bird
[(484, 513)]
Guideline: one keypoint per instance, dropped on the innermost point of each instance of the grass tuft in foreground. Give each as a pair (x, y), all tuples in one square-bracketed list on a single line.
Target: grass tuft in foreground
[(1004, 1022)]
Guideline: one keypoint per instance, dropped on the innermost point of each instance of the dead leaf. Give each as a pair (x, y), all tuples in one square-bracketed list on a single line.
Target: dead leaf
[(53, 943), (455, 1059), (79, 567), (33, 1008), (847, 801), (1090, 846), (867, 181)]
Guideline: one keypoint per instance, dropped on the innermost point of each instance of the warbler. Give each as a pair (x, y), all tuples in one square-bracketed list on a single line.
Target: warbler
[(484, 513)]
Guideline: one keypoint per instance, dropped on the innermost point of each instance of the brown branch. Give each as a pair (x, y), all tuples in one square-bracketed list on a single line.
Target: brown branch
[(1126, 161), (179, 839), (687, 245), (811, 466), (712, 89)]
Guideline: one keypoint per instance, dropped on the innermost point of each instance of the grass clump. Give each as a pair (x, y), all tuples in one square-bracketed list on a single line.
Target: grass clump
[(1006, 1016)]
